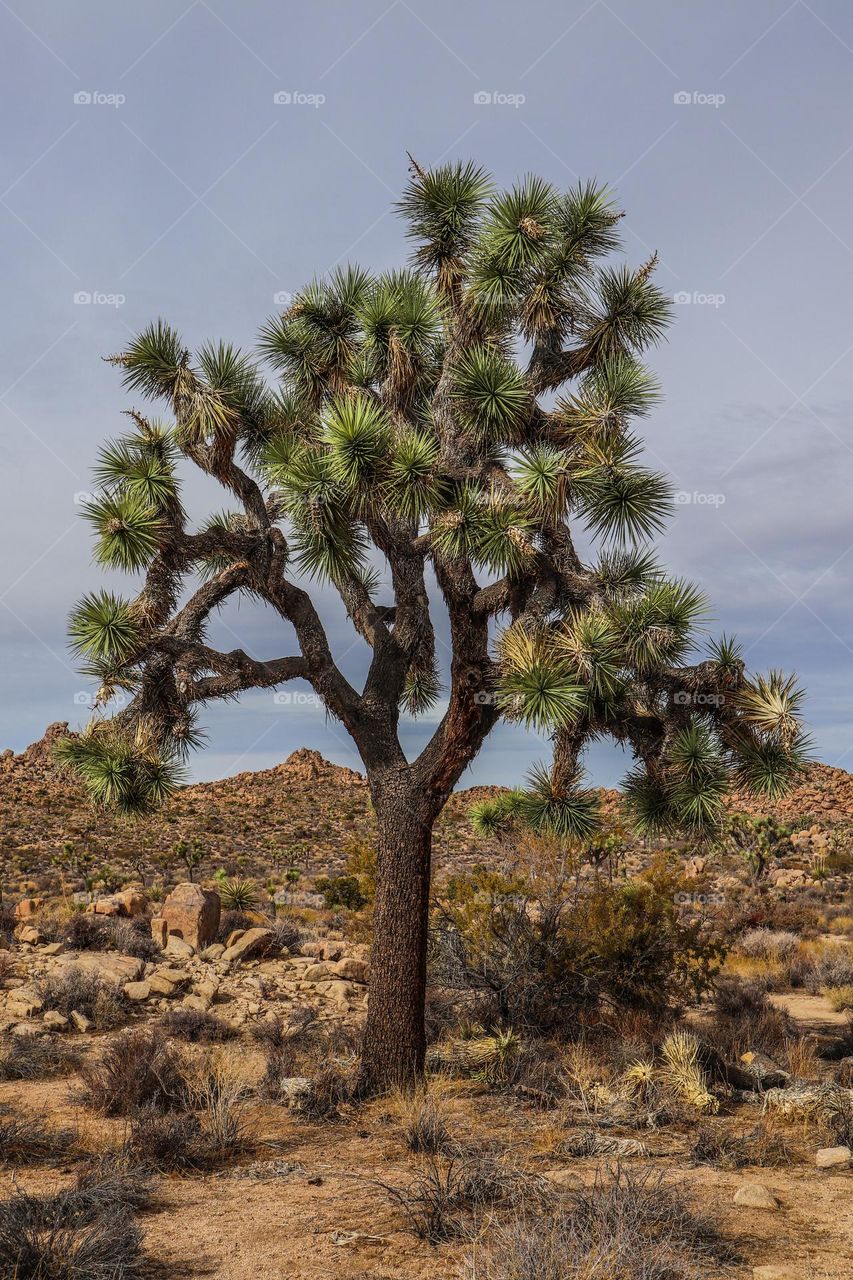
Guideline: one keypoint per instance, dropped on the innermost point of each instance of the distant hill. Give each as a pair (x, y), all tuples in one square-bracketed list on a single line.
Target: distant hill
[(305, 807)]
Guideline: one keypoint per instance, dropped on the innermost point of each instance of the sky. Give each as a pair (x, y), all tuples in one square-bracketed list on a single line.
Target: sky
[(202, 161)]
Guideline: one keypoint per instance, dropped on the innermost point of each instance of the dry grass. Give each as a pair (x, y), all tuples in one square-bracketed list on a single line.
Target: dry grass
[(136, 1069), (625, 1227), (421, 1114)]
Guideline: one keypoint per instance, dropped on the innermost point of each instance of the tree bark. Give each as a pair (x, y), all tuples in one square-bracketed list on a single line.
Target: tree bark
[(394, 1046)]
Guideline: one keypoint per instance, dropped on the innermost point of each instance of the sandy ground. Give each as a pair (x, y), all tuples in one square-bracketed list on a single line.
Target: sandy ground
[(321, 1213)]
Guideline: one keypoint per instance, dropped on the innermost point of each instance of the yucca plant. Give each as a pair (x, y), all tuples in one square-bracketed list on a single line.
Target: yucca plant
[(460, 420), (238, 895)]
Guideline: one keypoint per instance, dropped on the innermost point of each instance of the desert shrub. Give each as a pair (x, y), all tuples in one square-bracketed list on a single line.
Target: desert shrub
[(7, 924), (422, 1121), (342, 891), (833, 967), (27, 1140), (447, 1194), (217, 1089), (137, 1069), (545, 944), (164, 1141), (329, 1087), (87, 993), (301, 1047), (36, 1058), (633, 1226), (85, 1233), (85, 932), (769, 944), (133, 938), (764, 909), (196, 1027), (744, 1019), (763, 1147), (840, 998), (286, 934)]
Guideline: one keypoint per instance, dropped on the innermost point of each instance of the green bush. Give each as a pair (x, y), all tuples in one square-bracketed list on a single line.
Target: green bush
[(545, 944), (342, 891)]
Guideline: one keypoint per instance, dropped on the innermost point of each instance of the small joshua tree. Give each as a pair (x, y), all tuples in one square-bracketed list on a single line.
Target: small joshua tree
[(454, 424)]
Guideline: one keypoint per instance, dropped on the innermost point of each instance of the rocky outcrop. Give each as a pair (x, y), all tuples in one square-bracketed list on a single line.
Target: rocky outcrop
[(192, 914)]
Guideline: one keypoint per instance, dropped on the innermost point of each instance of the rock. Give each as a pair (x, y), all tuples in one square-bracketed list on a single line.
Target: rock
[(205, 993), (192, 913), (214, 952), (29, 933), (132, 902), (253, 942), (234, 936), (137, 990), (159, 930), (766, 1073), (833, 1157), (168, 982), (54, 1021), (340, 993), (103, 907), (754, 1195), (177, 948), (81, 1022), (354, 970), (24, 1002), (53, 949), (108, 965), (695, 867), (28, 907), (316, 973)]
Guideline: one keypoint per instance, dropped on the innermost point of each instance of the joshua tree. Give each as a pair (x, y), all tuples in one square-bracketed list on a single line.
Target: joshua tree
[(416, 430)]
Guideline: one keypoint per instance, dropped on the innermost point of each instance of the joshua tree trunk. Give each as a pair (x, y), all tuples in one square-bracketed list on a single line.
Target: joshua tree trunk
[(394, 1040)]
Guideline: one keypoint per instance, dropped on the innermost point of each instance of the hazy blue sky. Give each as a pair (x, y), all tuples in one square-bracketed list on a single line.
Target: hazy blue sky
[(147, 165)]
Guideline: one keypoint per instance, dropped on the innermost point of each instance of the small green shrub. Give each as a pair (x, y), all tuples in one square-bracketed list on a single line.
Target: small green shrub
[(342, 891)]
